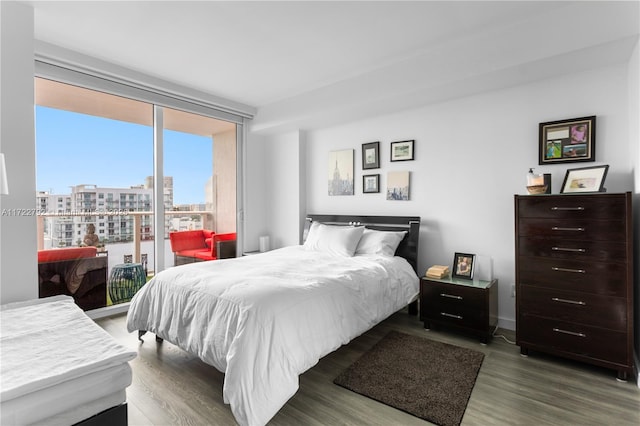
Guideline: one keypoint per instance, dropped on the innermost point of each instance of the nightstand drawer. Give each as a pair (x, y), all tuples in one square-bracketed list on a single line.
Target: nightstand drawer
[(435, 295), (455, 315), (470, 306)]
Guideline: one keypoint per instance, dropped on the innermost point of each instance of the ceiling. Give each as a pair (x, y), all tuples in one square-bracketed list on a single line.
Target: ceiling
[(304, 64)]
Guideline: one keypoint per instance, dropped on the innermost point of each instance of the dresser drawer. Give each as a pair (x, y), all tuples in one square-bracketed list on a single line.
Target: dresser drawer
[(604, 278), (582, 340), (561, 248), (575, 207), (574, 307), (605, 230)]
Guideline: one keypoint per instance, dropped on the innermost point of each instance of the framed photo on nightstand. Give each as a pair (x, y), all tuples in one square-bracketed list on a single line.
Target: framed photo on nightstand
[(463, 265)]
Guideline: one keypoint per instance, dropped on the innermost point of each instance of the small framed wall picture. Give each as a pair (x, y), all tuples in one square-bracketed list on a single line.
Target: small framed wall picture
[(463, 264), (585, 179), (398, 186), (371, 155), (370, 184), (402, 150), (567, 141)]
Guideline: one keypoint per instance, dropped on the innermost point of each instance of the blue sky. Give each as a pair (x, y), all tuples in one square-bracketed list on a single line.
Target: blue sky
[(74, 149)]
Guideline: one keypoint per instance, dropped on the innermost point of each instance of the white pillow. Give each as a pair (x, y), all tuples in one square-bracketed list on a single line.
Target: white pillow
[(379, 242), (340, 240)]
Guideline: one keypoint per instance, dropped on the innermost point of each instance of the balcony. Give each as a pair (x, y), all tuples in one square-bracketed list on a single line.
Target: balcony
[(136, 240)]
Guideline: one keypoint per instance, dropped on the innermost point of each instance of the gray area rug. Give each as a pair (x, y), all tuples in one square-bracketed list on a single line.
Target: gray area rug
[(425, 378)]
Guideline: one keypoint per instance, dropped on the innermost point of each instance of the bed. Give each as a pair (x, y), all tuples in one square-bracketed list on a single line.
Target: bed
[(59, 367), (265, 319)]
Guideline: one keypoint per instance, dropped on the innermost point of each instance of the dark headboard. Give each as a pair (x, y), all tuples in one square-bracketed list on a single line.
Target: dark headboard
[(408, 247)]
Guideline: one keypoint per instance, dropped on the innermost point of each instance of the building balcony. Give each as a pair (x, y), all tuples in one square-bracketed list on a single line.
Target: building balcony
[(135, 239)]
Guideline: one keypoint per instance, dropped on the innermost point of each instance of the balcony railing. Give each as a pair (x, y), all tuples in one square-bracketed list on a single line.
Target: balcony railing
[(136, 230)]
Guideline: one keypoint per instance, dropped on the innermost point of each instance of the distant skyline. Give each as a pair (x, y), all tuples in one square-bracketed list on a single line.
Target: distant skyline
[(75, 149)]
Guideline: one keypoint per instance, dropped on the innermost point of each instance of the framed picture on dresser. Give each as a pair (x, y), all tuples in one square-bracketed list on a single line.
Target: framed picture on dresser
[(585, 179)]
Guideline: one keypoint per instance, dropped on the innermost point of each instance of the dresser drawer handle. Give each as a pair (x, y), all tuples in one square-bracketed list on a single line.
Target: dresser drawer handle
[(559, 228), (572, 333), (572, 302), (574, 250), (578, 271), (444, 314), (451, 296), (573, 209)]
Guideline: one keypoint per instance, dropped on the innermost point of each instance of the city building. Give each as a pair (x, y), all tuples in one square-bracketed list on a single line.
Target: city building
[(68, 215)]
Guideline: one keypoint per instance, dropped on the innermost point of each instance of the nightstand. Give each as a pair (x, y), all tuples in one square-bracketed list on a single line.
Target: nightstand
[(466, 305)]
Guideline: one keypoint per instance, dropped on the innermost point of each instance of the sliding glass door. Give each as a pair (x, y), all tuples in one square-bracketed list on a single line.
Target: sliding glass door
[(97, 169), (199, 178)]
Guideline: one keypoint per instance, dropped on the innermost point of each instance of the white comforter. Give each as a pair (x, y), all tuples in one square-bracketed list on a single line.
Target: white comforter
[(265, 319)]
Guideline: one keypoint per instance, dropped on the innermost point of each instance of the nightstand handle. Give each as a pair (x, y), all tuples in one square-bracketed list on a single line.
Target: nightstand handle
[(576, 250), (451, 296), (578, 271), (568, 208), (444, 314), (572, 302), (559, 228), (572, 333)]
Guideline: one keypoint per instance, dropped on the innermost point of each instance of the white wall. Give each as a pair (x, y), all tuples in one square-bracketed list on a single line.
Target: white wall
[(255, 222), (18, 261), (471, 157), (275, 200), (283, 185)]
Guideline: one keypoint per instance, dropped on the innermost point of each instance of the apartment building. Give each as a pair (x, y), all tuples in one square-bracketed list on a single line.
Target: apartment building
[(66, 216)]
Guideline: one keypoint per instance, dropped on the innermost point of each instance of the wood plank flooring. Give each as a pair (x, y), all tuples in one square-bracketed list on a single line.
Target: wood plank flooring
[(171, 387)]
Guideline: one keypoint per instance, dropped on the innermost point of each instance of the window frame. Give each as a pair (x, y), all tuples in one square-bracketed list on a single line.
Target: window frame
[(160, 94)]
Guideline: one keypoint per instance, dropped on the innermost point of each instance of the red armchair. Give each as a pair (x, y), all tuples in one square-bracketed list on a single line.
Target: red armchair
[(201, 245)]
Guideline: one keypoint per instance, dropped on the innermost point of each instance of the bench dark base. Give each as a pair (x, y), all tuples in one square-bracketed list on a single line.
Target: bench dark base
[(114, 416)]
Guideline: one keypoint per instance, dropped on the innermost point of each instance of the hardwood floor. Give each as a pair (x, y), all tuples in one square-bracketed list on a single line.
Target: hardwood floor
[(171, 387)]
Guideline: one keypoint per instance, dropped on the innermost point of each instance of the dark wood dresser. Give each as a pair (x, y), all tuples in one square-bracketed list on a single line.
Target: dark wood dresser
[(574, 277)]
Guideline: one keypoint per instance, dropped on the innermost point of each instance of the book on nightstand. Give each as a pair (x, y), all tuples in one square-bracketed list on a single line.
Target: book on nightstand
[(437, 271)]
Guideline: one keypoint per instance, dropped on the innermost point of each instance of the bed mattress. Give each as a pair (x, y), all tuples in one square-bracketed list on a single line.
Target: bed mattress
[(58, 366)]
